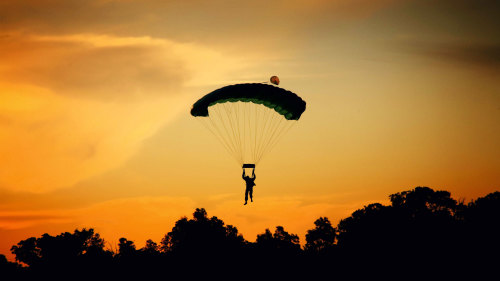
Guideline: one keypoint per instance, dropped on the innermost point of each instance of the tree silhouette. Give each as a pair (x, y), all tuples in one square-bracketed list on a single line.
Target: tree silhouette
[(365, 228), (281, 242), (202, 237), (59, 250), (422, 201), (426, 217), (126, 248), (417, 231), (10, 269), (151, 248), (67, 252), (321, 239), (278, 254), (27, 252), (422, 233), (481, 231)]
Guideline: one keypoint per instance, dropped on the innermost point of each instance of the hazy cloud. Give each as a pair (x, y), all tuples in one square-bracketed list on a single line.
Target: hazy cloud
[(20, 217), (110, 218), (484, 55), (197, 20), (92, 66), (77, 105), (469, 54), (13, 220)]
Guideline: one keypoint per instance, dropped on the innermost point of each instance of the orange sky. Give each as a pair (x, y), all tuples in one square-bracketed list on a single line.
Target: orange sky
[(95, 96)]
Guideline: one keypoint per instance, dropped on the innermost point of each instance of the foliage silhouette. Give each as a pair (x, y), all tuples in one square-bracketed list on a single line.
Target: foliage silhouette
[(321, 239), (422, 231), (126, 248), (279, 243), (10, 269), (64, 253), (151, 248), (65, 248), (202, 237)]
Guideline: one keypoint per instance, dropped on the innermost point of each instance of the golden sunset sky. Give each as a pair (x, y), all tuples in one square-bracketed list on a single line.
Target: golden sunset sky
[(95, 95)]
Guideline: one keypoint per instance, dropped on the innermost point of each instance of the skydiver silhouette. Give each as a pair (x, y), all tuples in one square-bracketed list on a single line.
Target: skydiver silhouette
[(250, 182)]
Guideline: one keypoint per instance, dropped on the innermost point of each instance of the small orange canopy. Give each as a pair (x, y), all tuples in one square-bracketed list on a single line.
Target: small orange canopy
[(275, 80)]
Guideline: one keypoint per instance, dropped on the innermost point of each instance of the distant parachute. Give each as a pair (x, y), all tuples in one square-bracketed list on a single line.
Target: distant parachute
[(249, 119), (275, 80)]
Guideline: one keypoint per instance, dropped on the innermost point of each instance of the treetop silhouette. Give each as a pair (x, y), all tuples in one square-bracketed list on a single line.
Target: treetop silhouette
[(421, 230)]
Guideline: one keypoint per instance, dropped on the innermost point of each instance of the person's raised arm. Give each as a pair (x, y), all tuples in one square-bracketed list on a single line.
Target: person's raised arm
[(253, 173), (243, 175)]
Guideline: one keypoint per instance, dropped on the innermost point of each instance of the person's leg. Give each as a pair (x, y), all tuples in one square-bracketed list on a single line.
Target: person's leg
[(251, 194), (246, 196)]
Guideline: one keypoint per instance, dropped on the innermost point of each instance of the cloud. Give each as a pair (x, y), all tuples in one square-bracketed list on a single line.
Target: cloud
[(53, 141), (75, 106), (128, 217), (106, 67), (116, 216), (91, 66), (199, 21), (19, 220), (486, 55), (461, 31)]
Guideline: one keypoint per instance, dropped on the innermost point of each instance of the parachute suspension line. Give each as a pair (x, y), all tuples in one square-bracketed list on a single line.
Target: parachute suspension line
[(233, 111), (212, 128), (224, 137), (218, 136), (238, 120), (246, 130), (264, 128), (277, 128), (217, 115), (241, 129), (240, 125), (243, 112), (247, 122), (262, 134), (228, 133), (229, 114), (282, 132), (274, 125), (268, 119), (261, 121), (248, 115), (268, 136), (236, 115), (238, 128), (256, 118)]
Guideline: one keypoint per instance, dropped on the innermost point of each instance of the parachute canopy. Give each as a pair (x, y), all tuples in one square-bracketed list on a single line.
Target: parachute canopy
[(249, 119), (282, 101)]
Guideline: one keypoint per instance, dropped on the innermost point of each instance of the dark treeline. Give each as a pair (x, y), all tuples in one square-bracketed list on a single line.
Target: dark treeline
[(423, 233)]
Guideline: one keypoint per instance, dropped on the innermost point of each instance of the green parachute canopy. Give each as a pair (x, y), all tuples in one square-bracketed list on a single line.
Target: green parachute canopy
[(282, 101), (249, 119)]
